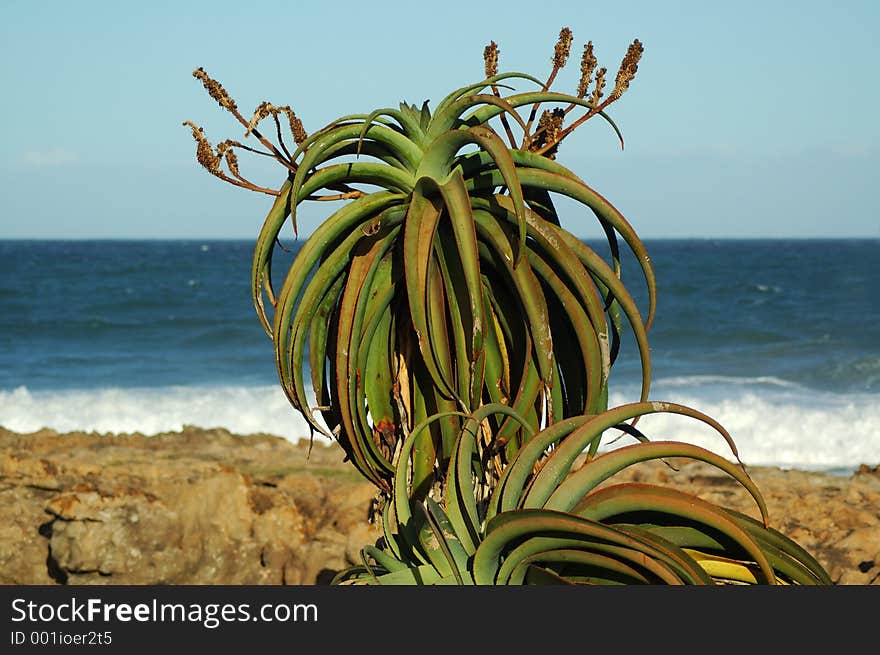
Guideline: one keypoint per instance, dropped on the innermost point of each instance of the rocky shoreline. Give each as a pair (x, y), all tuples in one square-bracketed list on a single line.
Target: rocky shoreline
[(203, 506)]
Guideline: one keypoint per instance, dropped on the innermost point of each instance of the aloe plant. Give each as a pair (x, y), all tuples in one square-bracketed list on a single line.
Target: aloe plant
[(546, 523), (457, 341)]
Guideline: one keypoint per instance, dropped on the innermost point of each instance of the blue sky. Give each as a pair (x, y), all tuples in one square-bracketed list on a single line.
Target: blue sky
[(747, 119)]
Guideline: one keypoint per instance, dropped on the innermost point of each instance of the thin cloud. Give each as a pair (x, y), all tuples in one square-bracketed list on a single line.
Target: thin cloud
[(49, 158)]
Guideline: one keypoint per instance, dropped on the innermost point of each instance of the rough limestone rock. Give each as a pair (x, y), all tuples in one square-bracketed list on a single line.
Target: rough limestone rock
[(197, 507), (209, 507)]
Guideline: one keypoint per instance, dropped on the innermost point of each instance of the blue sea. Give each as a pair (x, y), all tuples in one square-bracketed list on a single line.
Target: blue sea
[(778, 340)]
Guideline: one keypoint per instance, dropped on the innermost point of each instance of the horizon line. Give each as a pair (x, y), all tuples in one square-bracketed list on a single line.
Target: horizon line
[(304, 239)]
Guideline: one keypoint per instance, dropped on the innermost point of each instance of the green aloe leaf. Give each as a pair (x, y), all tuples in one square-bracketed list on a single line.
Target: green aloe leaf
[(632, 497), (453, 550), (360, 272), (411, 125), (378, 174), (510, 489), (525, 287), (507, 531), (422, 220), (438, 162), (289, 329), (596, 568), (479, 86), (549, 480), (262, 259)]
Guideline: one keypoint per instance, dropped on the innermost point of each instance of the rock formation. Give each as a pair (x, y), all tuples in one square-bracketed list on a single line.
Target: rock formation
[(209, 507)]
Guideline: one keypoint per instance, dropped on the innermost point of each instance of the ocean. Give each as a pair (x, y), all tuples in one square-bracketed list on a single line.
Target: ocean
[(778, 340)]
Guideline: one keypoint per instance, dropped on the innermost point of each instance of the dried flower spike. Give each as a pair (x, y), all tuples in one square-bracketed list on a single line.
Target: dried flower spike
[(600, 85), (549, 130), (628, 68), (563, 48), (296, 126), (263, 110), (268, 109), (215, 90), (224, 149), (588, 65), (204, 151), (490, 58)]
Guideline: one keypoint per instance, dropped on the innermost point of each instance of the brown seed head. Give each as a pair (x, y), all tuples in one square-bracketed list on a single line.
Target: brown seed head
[(490, 58), (588, 65), (628, 68), (551, 122), (215, 90), (563, 48), (263, 109), (548, 130), (204, 151), (296, 126), (224, 150), (600, 85), (232, 162)]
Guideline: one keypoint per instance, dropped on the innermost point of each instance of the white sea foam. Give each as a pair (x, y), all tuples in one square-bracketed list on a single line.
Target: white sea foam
[(772, 424), (699, 380), (242, 410)]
